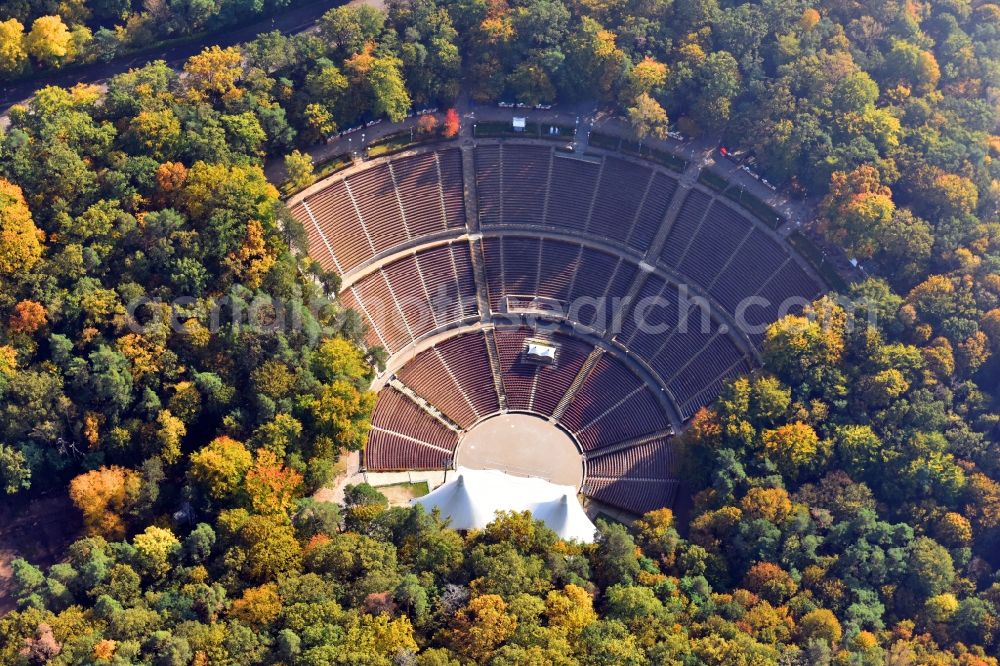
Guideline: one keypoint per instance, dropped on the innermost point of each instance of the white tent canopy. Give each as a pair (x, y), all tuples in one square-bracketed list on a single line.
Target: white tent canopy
[(473, 497)]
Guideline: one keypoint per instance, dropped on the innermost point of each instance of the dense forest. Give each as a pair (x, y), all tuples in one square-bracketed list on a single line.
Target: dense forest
[(42, 35), (849, 503)]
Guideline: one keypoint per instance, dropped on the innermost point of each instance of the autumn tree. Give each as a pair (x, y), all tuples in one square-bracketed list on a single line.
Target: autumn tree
[(647, 77), (299, 171), (20, 240), (13, 47), (254, 258), (220, 466), (156, 545), (28, 317), (648, 118), (213, 72), (49, 41), (480, 627), (570, 609), (452, 124), (795, 446), (820, 624), (104, 496), (271, 486), (857, 210), (426, 124)]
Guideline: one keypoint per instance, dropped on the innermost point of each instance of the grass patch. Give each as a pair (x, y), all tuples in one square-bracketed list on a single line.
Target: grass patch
[(713, 180), (400, 493), (817, 260), (492, 129)]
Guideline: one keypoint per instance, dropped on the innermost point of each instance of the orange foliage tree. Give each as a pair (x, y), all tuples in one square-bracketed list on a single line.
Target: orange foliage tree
[(451, 124), (102, 495), (28, 317)]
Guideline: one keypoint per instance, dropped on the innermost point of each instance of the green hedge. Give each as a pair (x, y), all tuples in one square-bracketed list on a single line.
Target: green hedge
[(398, 142), (817, 260), (755, 205), (605, 141), (493, 129), (713, 180)]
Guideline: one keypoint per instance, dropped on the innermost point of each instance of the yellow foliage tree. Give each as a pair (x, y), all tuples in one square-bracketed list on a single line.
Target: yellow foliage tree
[(170, 431), (648, 118), (794, 446), (49, 41), (480, 627), (13, 49), (220, 466), (20, 239), (254, 258), (570, 609), (770, 504), (820, 624), (380, 635), (102, 495), (214, 71), (648, 75), (155, 546), (258, 606)]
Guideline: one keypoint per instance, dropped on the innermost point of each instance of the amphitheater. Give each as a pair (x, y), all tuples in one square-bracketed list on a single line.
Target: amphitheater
[(504, 279)]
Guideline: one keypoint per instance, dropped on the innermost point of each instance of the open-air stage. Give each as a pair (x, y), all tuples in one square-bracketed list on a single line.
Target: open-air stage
[(523, 445)]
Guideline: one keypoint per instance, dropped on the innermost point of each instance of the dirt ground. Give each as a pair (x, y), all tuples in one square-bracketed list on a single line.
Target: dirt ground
[(39, 532)]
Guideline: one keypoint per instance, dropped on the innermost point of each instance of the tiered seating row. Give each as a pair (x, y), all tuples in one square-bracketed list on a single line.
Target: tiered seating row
[(584, 281), (684, 227), (524, 183), (332, 223), (412, 296), (733, 260), (376, 209), (689, 354), (612, 405), (452, 187), (786, 292), (455, 376), (711, 248), (533, 387), (637, 497), (623, 186), (574, 183), (620, 200), (404, 436), (518, 376), (754, 263), (652, 460)]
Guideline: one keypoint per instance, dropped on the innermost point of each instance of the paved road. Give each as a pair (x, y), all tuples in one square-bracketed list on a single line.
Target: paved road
[(292, 21)]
